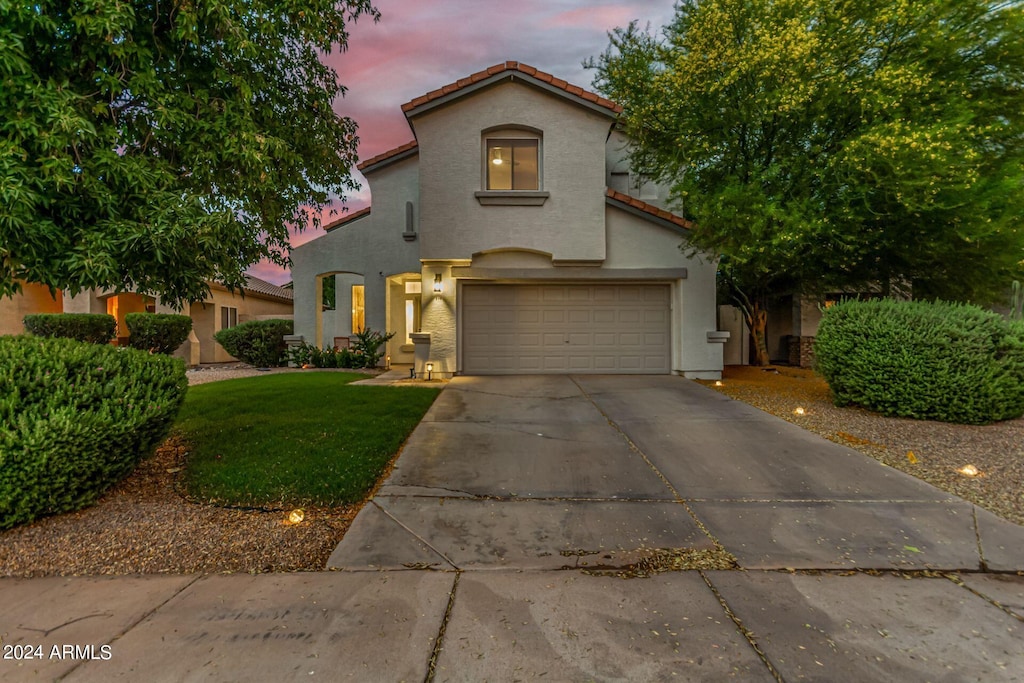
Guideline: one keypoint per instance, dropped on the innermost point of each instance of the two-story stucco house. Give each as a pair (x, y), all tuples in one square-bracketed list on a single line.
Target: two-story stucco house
[(509, 238)]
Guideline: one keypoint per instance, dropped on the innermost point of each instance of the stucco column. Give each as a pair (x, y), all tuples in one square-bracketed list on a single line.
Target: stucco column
[(438, 317)]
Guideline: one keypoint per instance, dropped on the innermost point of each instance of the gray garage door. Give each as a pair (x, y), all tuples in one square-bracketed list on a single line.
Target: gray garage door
[(531, 329)]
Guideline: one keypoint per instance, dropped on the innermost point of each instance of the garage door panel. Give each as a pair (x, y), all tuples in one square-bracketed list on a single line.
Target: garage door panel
[(602, 328)]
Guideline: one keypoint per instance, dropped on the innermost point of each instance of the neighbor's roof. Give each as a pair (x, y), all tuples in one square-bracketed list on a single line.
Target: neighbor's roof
[(348, 218), (624, 201), (254, 285), (510, 70)]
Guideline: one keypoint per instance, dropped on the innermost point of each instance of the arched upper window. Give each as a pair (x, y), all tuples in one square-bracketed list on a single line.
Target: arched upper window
[(513, 164)]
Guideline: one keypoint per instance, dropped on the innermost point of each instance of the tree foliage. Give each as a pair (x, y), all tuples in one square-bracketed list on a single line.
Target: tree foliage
[(835, 144), (152, 146)]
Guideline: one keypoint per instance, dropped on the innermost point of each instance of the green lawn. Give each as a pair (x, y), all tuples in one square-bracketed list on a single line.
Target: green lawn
[(294, 438)]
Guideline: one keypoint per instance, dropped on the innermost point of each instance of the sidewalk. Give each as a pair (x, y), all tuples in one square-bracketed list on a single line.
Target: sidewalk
[(511, 542)]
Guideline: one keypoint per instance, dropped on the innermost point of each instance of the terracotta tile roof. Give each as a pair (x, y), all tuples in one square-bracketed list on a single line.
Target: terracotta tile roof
[(254, 285), (521, 68), (347, 218), (649, 209), (387, 155)]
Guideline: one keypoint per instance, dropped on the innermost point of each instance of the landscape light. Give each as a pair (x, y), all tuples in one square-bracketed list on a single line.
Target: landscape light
[(969, 471), (799, 411), (296, 516)]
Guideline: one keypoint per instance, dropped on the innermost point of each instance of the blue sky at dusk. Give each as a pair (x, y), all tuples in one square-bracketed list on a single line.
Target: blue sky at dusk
[(420, 45)]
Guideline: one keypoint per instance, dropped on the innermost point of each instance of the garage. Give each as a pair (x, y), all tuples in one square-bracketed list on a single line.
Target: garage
[(565, 328)]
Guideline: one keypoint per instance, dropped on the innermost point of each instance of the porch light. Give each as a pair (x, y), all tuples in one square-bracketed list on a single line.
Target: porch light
[(437, 283), (430, 370)]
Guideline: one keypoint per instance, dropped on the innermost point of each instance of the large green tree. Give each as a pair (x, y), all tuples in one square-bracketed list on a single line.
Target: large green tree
[(153, 145), (835, 144)]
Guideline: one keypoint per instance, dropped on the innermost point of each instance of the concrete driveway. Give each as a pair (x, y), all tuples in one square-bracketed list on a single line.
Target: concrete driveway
[(524, 534)]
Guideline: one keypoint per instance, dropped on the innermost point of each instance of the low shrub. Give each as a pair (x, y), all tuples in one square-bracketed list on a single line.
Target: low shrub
[(157, 332), (933, 361), (76, 418), (95, 328), (366, 352), (257, 342)]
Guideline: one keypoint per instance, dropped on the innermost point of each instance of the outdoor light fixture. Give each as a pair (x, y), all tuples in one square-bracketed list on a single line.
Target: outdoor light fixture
[(387, 362), (799, 411), (437, 283), (296, 516), (718, 383), (969, 471), (430, 370)]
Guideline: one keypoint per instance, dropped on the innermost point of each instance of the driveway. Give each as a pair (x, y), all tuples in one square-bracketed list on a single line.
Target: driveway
[(543, 472)]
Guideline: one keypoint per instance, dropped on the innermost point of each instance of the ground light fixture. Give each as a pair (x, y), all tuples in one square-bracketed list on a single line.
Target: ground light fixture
[(969, 471), (296, 516), (719, 383), (799, 411), (430, 368)]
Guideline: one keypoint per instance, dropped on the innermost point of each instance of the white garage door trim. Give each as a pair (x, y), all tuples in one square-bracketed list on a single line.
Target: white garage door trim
[(565, 328)]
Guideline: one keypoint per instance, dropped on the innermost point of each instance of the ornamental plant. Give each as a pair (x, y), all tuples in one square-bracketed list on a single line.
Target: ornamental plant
[(95, 328), (157, 332), (935, 361), (257, 342), (75, 418)]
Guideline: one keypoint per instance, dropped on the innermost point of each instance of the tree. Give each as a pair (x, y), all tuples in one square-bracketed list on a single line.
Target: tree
[(153, 146), (835, 144)]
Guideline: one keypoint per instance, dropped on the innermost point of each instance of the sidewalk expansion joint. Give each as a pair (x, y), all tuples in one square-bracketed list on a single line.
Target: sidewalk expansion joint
[(145, 615), (439, 640), (747, 634), (995, 603), (416, 536), (977, 537)]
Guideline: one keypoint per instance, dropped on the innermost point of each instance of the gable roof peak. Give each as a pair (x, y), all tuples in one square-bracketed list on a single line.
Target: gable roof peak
[(510, 70)]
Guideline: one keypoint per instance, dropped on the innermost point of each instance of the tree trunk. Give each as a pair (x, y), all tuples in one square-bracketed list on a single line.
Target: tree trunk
[(757, 322)]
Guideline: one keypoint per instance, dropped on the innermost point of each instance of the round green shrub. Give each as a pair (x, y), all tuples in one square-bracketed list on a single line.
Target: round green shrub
[(924, 360), (257, 342), (95, 328), (75, 418), (157, 332)]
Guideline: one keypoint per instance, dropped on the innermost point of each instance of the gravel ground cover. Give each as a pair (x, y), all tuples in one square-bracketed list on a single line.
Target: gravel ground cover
[(933, 451)]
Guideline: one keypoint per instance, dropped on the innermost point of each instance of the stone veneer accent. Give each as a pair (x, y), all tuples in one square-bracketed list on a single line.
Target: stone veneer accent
[(801, 351)]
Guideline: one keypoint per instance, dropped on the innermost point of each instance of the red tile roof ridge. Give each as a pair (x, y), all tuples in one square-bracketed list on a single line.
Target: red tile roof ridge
[(649, 208), (347, 218), (387, 155), (526, 69), (255, 285)]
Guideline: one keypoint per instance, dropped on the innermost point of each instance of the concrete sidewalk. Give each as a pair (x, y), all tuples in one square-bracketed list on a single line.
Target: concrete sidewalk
[(495, 552)]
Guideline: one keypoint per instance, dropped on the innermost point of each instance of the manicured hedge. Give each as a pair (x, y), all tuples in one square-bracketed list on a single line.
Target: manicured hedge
[(257, 342), (934, 361), (96, 328), (157, 332), (76, 418)]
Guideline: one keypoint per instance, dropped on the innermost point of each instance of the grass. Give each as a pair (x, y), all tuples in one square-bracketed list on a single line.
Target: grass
[(294, 438)]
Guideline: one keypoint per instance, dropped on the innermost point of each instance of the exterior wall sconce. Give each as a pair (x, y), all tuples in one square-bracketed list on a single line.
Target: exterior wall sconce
[(437, 283), (430, 366)]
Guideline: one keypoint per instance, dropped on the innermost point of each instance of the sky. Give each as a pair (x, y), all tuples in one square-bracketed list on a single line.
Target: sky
[(420, 45)]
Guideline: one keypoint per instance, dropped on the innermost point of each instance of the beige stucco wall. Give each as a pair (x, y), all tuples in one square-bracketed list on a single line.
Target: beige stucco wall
[(371, 247), (33, 299), (569, 225)]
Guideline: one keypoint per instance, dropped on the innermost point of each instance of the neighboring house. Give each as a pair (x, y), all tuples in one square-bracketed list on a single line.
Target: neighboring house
[(221, 309), (511, 238)]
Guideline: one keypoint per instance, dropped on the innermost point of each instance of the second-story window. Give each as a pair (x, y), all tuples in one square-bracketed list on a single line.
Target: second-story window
[(513, 164)]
